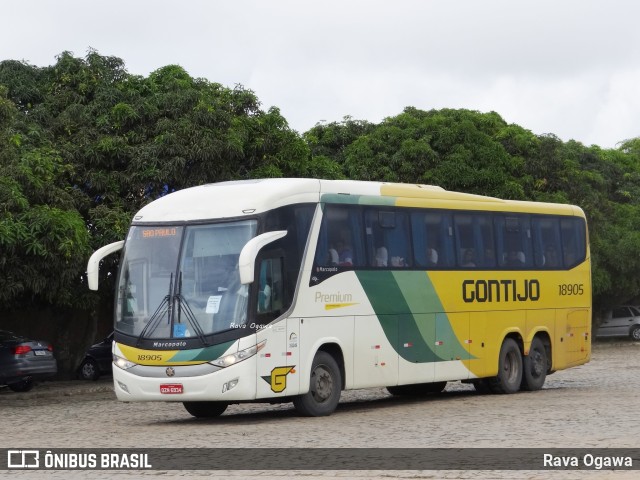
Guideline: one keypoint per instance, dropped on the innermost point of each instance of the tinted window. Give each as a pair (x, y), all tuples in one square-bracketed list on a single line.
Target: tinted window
[(341, 241), (573, 241), (513, 238), (432, 239), (475, 247), (621, 312), (547, 245), (388, 237), (387, 233)]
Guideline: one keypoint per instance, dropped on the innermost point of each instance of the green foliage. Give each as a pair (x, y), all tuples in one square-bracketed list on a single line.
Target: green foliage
[(480, 153), (42, 235), (84, 145)]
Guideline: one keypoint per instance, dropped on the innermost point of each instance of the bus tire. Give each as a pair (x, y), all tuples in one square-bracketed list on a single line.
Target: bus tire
[(535, 366), (417, 390), (509, 375), (205, 409), (324, 388)]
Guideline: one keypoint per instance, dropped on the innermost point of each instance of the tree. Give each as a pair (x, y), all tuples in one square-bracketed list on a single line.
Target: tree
[(42, 235), (95, 144), (480, 153)]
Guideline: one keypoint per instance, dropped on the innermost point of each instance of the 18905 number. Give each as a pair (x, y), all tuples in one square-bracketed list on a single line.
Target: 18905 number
[(570, 289)]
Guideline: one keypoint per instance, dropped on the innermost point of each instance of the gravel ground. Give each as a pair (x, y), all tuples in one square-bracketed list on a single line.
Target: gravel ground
[(592, 406)]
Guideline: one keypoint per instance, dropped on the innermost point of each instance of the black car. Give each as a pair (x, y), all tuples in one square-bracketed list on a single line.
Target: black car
[(97, 361), (23, 361)]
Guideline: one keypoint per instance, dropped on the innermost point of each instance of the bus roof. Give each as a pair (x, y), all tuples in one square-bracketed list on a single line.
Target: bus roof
[(248, 197)]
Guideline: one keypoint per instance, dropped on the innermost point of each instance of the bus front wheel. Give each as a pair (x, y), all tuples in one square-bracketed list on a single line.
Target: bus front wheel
[(509, 375), (205, 409), (324, 388)]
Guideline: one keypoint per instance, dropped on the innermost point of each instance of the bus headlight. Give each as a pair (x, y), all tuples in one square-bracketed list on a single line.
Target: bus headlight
[(233, 358), (122, 363)]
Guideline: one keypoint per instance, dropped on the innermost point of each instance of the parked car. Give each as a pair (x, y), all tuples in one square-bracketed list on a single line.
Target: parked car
[(23, 361), (97, 360), (621, 322)]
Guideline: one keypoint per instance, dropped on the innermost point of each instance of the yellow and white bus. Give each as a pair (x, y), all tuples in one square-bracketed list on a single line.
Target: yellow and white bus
[(296, 289)]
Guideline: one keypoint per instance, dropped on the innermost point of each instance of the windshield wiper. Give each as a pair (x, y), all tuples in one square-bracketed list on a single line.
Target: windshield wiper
[(183, 305), (154, 321)]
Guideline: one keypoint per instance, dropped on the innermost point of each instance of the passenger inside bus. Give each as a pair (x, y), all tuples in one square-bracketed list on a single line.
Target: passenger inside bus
[(516, 258), (551, 257), (382, 257), (432, 257), (398, 262), (345, 254), (468, 258)]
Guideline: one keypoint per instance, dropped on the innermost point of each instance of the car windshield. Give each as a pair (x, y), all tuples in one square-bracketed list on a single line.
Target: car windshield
[(178, 282)]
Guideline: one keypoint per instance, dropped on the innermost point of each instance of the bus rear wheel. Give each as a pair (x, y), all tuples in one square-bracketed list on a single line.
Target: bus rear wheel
[(418, 389), (205, 409), (324, 388), (535, 366), (509, 375)]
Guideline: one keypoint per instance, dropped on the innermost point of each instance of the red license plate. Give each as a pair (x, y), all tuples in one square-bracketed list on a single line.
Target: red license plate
[(171, 388)]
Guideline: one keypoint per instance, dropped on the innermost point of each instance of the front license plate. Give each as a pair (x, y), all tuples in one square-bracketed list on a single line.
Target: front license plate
[(171, 388)]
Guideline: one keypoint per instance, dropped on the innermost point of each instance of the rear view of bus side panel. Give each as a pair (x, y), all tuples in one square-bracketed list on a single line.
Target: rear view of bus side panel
[(572, 338)]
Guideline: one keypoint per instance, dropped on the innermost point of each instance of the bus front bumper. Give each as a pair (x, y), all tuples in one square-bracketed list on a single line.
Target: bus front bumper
[(161, 383)]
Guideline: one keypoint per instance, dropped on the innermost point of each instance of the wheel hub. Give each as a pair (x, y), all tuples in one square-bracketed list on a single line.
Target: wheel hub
[(536, 363), (323, 384)]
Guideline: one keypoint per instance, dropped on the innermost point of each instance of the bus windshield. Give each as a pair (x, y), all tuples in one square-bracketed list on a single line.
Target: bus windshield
[(182, 281)]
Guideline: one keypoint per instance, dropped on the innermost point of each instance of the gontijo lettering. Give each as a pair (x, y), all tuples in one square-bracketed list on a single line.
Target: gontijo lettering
[(500, 291)]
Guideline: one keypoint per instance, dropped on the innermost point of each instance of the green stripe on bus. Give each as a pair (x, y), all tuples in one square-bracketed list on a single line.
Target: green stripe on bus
[(202, 354), (401, 329), (421, 298), (413, 335)]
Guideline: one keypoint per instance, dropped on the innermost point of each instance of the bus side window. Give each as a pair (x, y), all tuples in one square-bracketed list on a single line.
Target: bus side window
[(573, 244), (376, 243), (270, 286), (474, 240), (340, 241), (466, 251), (388, 238), (513, 236), (432, 239), (546, 242)]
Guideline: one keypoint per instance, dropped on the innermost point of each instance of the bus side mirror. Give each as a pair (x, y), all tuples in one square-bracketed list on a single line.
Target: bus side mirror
[(93, 266), (250, 251)]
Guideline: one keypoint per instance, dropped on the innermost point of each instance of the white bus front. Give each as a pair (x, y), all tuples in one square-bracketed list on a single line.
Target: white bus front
[(181, 314)]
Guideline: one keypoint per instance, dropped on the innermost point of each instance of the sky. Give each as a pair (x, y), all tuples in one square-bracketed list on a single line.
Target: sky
[(565, 67)]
